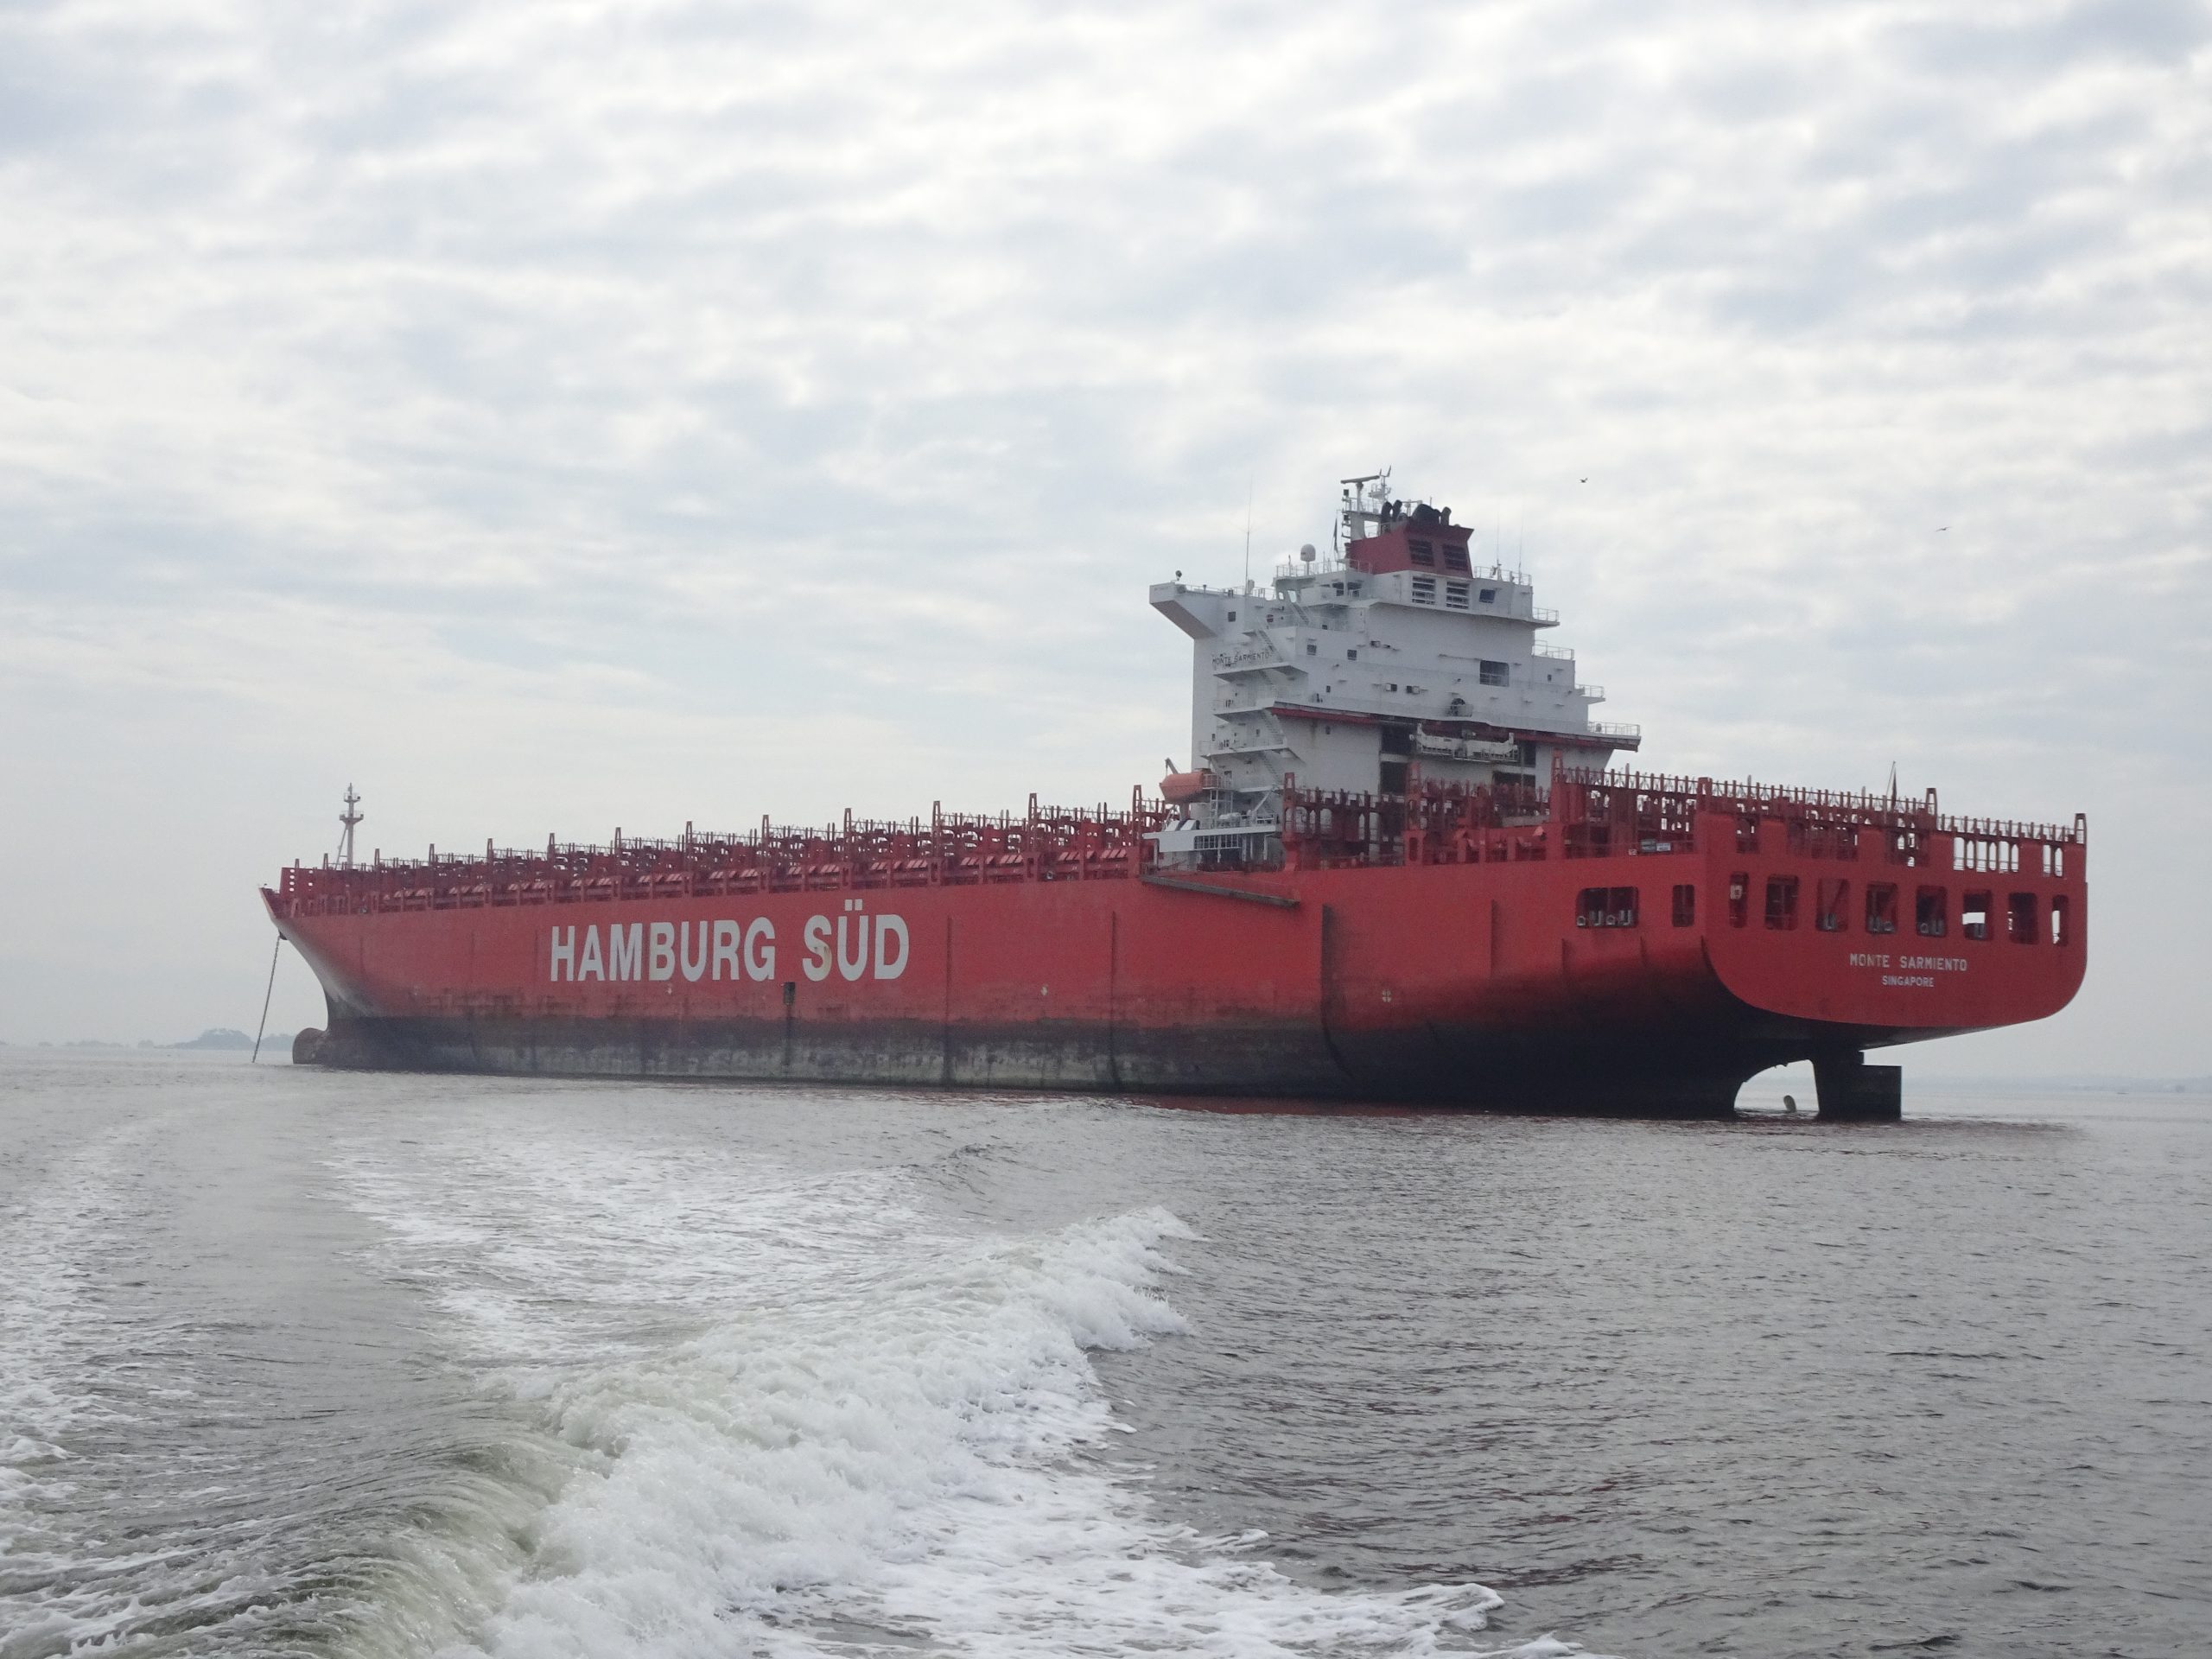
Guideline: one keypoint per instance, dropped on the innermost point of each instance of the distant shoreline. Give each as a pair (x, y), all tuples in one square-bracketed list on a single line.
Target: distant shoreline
[(215, 1039)]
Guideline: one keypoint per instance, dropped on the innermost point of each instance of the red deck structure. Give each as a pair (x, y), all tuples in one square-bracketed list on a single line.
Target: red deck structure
[(1616, 942)]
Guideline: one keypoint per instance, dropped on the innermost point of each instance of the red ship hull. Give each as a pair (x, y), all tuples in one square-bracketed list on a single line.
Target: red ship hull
[(1638, 949)]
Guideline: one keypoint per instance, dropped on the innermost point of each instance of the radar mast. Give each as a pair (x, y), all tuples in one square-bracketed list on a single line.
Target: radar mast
[(349, 817)]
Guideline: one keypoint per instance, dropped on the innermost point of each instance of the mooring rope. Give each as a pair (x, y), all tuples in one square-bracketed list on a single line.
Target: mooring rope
[(265, 995)]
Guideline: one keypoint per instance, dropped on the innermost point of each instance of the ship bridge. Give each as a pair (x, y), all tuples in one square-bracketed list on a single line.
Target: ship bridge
[(1395, 657)]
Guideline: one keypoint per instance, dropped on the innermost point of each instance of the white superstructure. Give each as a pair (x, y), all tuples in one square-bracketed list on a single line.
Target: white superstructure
[(1349, 671)]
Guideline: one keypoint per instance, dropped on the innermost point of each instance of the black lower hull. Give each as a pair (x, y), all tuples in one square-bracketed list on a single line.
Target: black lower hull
[(1646, 1072)]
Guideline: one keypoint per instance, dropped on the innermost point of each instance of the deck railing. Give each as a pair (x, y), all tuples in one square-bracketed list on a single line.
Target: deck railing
[(1587, 813), (945, 849), (1583, 814)]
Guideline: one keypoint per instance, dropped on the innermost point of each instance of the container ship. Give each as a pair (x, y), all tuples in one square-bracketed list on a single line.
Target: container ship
[(1400, 865)]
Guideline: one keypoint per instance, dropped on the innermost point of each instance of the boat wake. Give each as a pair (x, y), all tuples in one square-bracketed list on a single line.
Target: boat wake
[(763, 1411)]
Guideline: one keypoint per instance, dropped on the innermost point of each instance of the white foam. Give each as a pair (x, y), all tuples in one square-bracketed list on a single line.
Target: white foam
[(43, 1239), (806, 1416), (45, 1322), (77, 1584)]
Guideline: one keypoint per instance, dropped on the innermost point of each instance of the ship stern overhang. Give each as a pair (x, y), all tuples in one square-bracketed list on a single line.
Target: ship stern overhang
[(1863, 937)]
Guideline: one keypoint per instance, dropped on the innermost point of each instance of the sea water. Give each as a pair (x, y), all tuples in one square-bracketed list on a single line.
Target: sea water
[(298, 1362)]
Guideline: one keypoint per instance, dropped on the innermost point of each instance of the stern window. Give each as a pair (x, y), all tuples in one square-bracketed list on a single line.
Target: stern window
[(1881, 908), (1782, 902), (1739, 899), (1834, 915), (1973, 915), (1685, 905), (1931, 913), (2020, 918), (1605, 907), (2061, 921)]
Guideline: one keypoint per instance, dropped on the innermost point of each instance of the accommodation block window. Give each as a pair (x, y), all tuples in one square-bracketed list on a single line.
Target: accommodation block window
[(1496, 673)]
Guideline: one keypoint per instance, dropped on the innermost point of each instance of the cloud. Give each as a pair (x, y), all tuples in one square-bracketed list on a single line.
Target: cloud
[(643, 412)]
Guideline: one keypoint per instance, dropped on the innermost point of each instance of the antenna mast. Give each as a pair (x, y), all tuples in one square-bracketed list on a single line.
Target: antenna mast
[(1247, 535), (1363, 507), (349, 817)]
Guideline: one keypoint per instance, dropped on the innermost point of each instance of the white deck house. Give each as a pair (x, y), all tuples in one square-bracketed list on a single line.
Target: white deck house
[(1347, 667)]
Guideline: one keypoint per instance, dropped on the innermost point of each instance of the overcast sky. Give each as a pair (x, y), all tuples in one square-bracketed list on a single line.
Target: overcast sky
[(557, 415)]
